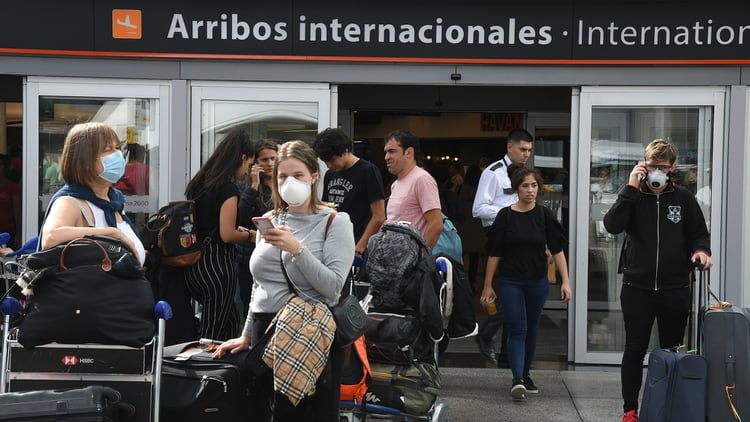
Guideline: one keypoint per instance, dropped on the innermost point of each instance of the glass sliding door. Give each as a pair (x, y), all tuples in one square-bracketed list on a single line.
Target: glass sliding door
[(615, 126), (135, 110)]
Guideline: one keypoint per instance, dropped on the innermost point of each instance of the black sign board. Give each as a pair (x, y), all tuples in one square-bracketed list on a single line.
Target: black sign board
[(541, 32)]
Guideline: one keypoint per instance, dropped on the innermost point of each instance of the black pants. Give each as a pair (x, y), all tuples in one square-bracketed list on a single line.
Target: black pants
[(670, 308), (323, 406)]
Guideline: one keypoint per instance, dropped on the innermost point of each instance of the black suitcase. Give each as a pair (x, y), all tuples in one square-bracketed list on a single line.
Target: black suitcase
[(90, 404), (726, 345), (196, 387)]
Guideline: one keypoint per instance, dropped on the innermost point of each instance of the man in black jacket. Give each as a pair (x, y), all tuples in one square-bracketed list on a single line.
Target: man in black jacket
[(667, 236)]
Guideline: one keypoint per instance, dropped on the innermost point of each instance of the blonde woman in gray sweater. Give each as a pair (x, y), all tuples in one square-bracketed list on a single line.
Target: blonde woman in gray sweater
[(317, 255)]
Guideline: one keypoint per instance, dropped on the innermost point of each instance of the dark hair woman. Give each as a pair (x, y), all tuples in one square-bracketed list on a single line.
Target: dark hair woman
[(521, 235), (211, 280), (255, 200)]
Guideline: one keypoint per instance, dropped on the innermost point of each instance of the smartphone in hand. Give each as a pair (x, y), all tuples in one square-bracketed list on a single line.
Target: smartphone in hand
[(263, 223)]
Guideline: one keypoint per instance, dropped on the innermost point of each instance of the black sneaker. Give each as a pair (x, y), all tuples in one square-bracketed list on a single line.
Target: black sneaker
[(518, 390), (486, 349), (531, 388)]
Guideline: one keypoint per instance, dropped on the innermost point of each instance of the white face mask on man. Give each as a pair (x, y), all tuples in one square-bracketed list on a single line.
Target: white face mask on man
[(656, 179), (295, 192)]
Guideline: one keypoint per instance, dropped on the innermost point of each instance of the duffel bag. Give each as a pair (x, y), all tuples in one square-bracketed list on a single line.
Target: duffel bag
[(92, 403), (196, 387), (355, 373), (395, 338), (90, 290), (411, 389)]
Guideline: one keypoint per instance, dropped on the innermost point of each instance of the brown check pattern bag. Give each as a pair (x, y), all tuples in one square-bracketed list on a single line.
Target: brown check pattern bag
[(299, 348)]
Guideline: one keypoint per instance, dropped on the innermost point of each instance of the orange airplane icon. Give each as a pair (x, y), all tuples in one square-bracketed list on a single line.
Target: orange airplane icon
[(126, 24)]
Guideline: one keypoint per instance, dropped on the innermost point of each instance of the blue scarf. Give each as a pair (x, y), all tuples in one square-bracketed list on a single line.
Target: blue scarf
[(116, 203)]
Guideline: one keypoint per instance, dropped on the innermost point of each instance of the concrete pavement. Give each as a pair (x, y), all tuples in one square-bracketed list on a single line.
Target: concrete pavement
[(578, 393)]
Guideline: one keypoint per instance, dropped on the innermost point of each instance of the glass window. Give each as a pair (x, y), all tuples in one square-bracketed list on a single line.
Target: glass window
[(283, 121), (135, 120)]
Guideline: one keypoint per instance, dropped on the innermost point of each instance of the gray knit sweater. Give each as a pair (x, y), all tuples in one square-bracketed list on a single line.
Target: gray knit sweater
[(318, 272)]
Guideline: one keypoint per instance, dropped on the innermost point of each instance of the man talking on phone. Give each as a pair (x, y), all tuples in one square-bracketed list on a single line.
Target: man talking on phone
[(666, 238)]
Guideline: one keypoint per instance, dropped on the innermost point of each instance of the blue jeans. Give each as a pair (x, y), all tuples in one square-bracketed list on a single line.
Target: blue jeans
[(523, 301)]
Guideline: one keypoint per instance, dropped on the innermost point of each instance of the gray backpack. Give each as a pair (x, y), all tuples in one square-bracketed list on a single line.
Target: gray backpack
[(391, 255)]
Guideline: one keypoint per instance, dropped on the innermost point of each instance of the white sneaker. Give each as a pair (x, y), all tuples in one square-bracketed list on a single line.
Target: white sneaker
[(518, 391)]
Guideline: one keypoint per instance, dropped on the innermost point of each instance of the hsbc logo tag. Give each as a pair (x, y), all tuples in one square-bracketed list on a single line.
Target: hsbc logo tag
[(70, 360)]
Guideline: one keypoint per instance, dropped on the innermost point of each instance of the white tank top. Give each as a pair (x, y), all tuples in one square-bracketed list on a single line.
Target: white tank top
[(101, 221)]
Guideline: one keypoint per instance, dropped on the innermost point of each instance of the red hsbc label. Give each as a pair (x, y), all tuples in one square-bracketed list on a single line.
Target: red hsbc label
[(70, 360)]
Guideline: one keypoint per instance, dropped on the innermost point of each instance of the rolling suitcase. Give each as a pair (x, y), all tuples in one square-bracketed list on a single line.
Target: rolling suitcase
[(726, 345), (675, 388), (93, 403), (196, 387)]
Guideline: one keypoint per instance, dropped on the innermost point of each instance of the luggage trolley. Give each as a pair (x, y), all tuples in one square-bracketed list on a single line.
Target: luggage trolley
[(357, 412), (134, 372)]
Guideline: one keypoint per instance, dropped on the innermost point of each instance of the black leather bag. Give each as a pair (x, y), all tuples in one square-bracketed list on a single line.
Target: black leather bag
[(351, 320), (90, 290)]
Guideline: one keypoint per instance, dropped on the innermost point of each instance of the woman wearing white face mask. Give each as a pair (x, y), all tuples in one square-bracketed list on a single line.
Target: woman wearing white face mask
[(88, 204), (317, 255)]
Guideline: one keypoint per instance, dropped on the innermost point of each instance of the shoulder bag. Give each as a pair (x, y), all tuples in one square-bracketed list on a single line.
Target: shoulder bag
[(300, 347), (351, 319)]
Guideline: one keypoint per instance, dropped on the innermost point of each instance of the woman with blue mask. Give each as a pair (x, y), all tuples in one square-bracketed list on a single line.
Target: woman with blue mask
[(88, 204)]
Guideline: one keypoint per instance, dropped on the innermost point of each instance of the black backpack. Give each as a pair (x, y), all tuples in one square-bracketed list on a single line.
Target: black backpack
[(172, 234), (390, 257)]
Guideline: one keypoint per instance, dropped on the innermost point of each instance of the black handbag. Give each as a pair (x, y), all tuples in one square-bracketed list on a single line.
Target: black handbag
[(351, 320), (109, 252), (90, 290)]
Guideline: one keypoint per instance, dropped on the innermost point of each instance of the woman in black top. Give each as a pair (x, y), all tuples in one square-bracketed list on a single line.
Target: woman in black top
[(255, 200), (521, 234), (211, 280)]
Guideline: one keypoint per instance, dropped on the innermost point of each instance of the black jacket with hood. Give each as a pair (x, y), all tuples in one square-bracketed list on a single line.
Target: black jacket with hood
[(664, 230)]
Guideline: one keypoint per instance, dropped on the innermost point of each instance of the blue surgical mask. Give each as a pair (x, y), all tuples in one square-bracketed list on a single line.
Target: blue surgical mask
[(114, 166)]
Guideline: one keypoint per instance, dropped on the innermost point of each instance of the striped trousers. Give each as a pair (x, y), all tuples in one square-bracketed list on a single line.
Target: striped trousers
[(211, 282)]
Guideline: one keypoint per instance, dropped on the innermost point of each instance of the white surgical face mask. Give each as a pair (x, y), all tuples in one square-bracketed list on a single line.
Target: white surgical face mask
[(656, 179), (295, 192)]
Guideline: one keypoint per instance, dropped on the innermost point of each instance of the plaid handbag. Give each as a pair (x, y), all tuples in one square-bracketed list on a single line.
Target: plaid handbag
[(299, 348)]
